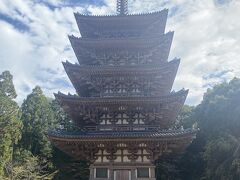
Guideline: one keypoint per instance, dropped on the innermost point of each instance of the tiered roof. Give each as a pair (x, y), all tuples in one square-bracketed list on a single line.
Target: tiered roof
[(136, 25), (90, 51), (84, 146), (101, 136), (86, 111), (123, 81), (85, 78)]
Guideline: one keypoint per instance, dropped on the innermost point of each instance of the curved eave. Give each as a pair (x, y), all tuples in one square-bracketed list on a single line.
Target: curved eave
[(92, 25), (166, 71), (85, 49), (173, 97), (73, 104), (125, 136), (75, 71), (106, 43), (86, 147)]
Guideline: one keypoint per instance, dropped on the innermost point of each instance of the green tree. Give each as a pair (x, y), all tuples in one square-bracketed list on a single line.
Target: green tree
[(181, 166), (10, 124), (27, 166), (37, 118), (222, 158), (67, 167), (185, 118), (191, 164), (219, 111), (218, 118), (62, 120)]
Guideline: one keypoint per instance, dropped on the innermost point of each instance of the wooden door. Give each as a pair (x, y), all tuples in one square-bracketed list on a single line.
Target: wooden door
[(122, 175)]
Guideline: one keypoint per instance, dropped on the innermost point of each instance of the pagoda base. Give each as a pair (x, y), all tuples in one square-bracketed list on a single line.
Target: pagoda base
[(122, 171)]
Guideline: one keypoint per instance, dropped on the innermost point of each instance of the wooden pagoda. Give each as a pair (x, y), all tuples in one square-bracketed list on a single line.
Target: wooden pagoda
[(124, 105)]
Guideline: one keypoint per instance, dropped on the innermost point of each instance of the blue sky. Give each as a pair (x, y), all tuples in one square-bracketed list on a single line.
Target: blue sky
[(33, 40)]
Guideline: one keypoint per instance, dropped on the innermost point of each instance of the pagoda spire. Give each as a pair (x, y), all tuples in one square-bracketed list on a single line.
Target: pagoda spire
[(122, 7)]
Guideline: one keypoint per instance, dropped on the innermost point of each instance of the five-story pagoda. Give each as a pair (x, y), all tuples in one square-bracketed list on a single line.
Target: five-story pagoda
[(124, 107)]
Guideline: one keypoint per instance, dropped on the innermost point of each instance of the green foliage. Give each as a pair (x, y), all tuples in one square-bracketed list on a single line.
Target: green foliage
[(68, 168), (222, 156), (37, 118), (185, 117), (215, 154), (218, 116), (6, 85), (220, 110), (10, 124), (166, 168), (191, 164), (187, 166), (62, 120), (25, 166)]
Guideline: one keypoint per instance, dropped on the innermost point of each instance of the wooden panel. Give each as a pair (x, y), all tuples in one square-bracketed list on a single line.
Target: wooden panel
[(122, 175)]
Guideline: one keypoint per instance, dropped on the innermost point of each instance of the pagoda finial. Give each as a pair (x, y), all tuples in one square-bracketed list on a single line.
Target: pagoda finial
[(122, 7)]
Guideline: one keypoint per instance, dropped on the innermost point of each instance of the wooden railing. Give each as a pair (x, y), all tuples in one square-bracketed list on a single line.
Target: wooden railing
[(122, 128)]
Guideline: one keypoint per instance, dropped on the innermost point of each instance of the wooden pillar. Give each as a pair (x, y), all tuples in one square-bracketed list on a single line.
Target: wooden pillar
[(91, 177)]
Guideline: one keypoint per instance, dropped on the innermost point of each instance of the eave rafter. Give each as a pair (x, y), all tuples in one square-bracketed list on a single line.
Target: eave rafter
[(99, 136), (122, 43), (92, 77), (159, 110), (172, 97), (156, 143), (77, 70), (91, 51)]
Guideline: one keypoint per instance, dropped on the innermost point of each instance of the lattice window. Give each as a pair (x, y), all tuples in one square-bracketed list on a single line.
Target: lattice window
[(101, 173), (143, 172)]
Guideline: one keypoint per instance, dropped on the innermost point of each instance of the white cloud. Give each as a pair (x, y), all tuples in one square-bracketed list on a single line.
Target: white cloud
[(206, 39), (34, 57)]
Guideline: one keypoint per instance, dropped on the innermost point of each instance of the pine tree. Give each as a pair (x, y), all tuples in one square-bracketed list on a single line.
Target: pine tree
[(63, 121), (37, 118), (10, 124)]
